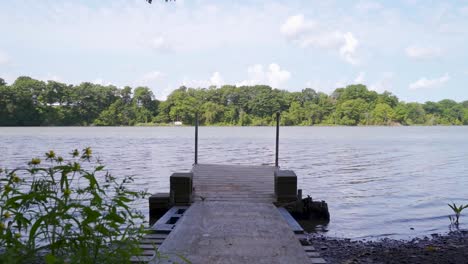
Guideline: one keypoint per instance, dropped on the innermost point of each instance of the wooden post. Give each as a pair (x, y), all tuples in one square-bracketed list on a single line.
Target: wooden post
[(277, 138), (196, 138)]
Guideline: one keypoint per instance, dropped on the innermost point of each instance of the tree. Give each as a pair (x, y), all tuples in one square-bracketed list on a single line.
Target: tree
[(382, 114), (294, 116), (388, 98), (55, 92), (351, 111), (465, 104), (25, 101), (465, 116), (33, 102), (358, 91), (150, 1), (415, 114), (211, 113)]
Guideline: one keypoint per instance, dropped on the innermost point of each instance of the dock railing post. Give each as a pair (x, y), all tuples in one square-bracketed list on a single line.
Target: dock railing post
[(277, 138), (196, 138)]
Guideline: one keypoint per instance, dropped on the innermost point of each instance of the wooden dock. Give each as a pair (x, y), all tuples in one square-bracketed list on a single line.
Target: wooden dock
[(233, 220), (234, 183)]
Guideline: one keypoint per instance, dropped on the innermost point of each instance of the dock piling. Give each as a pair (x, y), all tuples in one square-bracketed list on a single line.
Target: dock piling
[(196, 138), (277, 138)]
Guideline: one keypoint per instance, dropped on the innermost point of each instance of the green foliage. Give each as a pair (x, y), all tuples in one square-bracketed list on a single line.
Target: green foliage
[(457, 210), (31, 102), (383, 114), (67, 211)]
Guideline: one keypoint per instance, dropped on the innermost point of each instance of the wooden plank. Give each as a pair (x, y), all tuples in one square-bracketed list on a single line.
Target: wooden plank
[(235, 222), (233, 183)]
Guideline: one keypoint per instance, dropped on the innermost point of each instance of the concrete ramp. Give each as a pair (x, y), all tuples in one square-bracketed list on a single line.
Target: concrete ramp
[(234, 232)]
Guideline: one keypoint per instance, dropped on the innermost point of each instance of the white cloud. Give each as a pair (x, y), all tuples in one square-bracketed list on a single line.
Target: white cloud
[(416, 52), (216, 79), (276, 76), (296, 25), (100, 81), (135, 26), (425, 83), (325, 40), (307, 33), (273, 76), (348, 50)]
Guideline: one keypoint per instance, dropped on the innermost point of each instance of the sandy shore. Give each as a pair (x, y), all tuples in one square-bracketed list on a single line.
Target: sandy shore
[(441, 249)]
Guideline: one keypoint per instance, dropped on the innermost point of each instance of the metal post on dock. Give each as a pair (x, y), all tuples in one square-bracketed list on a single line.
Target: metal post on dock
[(196, 138), (277, 138)]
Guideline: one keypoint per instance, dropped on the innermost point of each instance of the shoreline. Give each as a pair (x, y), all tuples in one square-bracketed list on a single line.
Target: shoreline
[(329, 126), (439, 248)]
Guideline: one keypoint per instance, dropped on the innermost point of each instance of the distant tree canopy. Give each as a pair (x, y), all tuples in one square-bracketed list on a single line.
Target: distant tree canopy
[(30, 102), (151, 1)]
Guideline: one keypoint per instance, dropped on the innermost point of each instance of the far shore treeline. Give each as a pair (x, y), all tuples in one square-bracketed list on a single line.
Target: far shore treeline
[(30, 102)]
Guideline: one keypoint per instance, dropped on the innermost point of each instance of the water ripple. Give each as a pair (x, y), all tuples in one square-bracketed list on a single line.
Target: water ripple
[(378, 182)]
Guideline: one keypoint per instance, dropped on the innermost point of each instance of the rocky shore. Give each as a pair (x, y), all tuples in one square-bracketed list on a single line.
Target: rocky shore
[(440, 249)]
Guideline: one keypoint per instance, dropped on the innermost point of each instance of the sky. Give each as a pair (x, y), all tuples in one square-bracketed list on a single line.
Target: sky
[(416, 49)]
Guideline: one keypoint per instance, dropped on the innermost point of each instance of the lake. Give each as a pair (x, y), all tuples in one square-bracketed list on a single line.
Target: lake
[(378, 181)]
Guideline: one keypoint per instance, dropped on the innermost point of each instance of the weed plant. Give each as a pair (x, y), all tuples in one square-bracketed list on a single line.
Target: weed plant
[(68, 211)]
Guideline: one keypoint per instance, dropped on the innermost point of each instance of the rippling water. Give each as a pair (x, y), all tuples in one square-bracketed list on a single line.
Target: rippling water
[(378, 181)]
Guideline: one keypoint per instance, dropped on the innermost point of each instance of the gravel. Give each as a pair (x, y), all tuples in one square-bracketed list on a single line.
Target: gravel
[(440, 249)]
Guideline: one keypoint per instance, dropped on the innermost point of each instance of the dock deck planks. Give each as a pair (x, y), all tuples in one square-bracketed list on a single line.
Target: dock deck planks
[(235, 222), (234, 232), (233, 183)]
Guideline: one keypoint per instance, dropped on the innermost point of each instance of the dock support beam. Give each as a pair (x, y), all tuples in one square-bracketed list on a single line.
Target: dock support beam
[(277, 138), (196, 138)]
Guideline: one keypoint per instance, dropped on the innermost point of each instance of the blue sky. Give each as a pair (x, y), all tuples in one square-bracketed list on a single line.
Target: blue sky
[(414, 49)]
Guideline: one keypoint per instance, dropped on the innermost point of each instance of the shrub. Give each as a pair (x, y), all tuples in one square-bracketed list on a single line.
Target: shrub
[(67, 211)]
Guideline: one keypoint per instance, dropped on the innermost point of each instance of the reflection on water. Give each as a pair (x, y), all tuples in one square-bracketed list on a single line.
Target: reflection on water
[(378, 181)]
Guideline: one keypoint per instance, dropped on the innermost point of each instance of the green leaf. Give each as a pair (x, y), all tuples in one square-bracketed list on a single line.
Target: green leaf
[(112, 216), (90, 215)]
